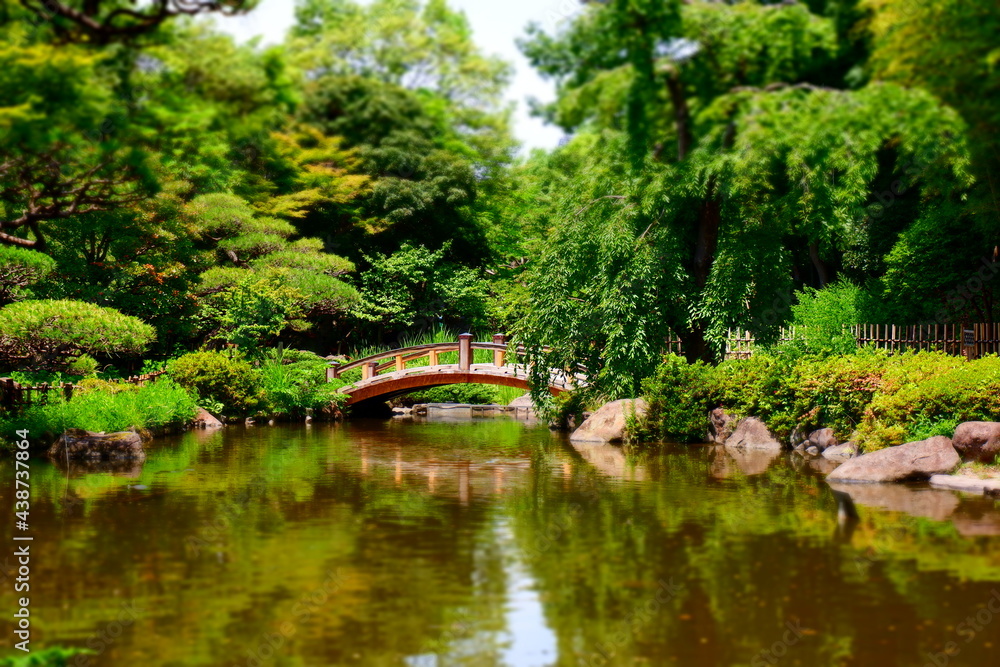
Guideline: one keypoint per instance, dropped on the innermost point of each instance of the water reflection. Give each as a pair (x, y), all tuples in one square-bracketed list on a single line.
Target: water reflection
[(493, 543)]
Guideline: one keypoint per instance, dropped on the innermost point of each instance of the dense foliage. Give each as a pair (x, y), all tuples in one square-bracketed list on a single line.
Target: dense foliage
[(869, 396), (104, 407), (728, 165)]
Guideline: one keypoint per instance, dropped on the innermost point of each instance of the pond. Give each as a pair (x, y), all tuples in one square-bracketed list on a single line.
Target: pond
[(492, 542)]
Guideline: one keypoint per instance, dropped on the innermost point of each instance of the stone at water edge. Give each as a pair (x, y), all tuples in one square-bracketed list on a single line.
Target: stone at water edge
[(978, 441), (752, 433), (720, 426), (967, 484), (914, 461), (610, 422), (80, 444), (205, 419), (841, 453), (823, 439)]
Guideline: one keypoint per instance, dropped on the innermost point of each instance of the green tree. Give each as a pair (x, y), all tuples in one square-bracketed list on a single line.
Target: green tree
[(21, 268), (403, 82), (417, 288), (58, 160), (48, 334), (771, 176)]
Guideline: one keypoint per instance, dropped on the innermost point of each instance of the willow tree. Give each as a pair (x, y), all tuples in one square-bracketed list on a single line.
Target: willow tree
[(732, 152)]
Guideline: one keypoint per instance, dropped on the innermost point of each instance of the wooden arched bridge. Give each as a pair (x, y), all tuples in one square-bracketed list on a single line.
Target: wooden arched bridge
[(397, 372)]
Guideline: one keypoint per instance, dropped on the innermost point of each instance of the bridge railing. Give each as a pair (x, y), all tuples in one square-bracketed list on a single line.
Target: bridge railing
[(397, 360)]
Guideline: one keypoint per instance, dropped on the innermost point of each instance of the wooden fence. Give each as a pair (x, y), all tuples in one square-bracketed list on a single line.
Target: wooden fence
[(14, 395), (973, 340)]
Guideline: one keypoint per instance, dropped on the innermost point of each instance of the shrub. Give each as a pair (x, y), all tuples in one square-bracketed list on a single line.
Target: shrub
[(220, 380), (295, 381), (835, 391), (823, 318), (83, 366), (19, 269), (877, 398), (254, 310), (102, 406), (678, 397), (50, 332), (759, 387), (472, 394), (926, 391)]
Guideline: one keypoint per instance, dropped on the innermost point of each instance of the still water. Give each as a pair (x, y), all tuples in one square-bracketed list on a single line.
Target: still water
[(496, 543)]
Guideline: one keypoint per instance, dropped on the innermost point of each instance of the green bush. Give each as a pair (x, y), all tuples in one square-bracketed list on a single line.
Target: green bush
[(924, 392), (83, 366), (472, 394), (678, 397), (101, 406), (19, 269), (759, 387), (876, 398), (823, 319), (223, 382), (51, 332), (295, 381)]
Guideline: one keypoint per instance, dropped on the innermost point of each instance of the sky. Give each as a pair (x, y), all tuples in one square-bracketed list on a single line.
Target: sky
[(495, 24)]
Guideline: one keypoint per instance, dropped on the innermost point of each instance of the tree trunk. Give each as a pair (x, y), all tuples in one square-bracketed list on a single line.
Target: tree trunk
[(822, 273)]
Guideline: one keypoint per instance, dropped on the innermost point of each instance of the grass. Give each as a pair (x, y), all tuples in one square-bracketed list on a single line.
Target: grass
[(981, 470), (100, 406)]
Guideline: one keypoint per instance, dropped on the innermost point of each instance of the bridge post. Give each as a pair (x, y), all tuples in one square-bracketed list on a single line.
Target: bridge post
[(333, 372), (498, 355), (369, 370), (464, 351)]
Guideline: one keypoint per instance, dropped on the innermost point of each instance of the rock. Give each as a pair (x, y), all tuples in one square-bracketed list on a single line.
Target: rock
[(751, 433), (205, 419), (813, 450), (719, 426), (798, 439), (823, 438), (968, 484), (610, 422), (978, 441), (841, 453), (910, 462), (80, 444)]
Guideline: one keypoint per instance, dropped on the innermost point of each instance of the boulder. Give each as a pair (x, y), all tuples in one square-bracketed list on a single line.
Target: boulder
[(752, 433), (822, 439), (967, 484), (205, 419), (79, 444), (719, 426), (841, 453), (798, 439), (610, 422), (910, 462), (978, 441)]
